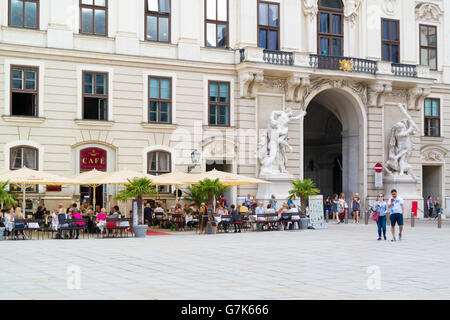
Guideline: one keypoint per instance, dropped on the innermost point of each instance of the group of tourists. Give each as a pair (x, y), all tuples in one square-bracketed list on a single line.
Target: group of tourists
[(433, 207), (336, 207), (396, 207)]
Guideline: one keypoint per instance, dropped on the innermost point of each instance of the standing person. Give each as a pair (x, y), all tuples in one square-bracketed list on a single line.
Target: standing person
[(437, 207), (223, 201), (148, 214), (356, 207), (344, 207), (381, 207), (248, 200), (273, 202), (336, 207), (236, 218), (397, 207), (328, 206), (430, 206)]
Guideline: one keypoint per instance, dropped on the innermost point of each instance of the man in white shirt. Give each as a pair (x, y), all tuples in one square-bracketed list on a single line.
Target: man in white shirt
[(397, 207)]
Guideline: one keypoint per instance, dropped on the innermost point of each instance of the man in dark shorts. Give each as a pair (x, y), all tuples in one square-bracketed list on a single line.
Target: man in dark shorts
[(397, 207)]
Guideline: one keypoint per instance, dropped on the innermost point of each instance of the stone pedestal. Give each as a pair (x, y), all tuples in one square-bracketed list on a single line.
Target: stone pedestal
[(279, 186), (406, 189)]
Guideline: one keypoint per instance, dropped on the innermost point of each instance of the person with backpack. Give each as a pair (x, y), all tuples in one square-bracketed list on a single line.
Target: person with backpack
[(397, 207)]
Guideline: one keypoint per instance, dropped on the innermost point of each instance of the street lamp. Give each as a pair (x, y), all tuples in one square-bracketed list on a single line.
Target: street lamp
[(195, 157)]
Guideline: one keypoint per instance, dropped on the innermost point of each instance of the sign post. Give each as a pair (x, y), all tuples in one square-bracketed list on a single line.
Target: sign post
[(316, 214), (378, 175)]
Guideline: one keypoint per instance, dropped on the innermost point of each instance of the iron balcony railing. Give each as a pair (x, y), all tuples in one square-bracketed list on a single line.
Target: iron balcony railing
[(404, 70), (278, 57), (348, 64), (242, 54)]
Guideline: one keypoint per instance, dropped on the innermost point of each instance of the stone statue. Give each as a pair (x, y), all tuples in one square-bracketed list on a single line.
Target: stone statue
[(273, 145), (401, 146)]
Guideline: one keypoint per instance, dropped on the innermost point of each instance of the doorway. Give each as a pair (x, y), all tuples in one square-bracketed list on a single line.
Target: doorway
[(431, 183), (87, 195), (323, 149)]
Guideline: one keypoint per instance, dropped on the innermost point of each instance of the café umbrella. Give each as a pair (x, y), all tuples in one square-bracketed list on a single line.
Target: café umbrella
[(26, 177), (89, 178), (177, 178)]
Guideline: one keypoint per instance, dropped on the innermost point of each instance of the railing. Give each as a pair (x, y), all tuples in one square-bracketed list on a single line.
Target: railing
[(404, 70), (278, 57), (343, 63)]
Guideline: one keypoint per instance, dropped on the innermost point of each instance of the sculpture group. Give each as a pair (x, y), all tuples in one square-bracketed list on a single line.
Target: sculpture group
[(273, 145), (401, 146)]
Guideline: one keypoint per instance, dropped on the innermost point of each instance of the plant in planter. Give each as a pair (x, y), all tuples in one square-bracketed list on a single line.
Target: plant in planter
[(6, 199), (195, 194), (137, 189), (212, 189), (303, 189)]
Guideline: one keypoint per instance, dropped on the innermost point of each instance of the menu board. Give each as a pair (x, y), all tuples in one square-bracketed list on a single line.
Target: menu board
[(316, 214)]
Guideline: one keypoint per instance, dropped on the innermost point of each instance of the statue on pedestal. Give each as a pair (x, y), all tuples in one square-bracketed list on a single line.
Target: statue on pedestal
[(401, 146), (273, 145)]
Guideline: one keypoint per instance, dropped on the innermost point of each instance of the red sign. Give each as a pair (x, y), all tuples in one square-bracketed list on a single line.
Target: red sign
[(378, 168), (54, 188), (414, 207), (93, 158)]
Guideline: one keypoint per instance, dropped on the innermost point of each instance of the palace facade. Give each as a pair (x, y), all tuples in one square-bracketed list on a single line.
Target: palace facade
[(147, 84)]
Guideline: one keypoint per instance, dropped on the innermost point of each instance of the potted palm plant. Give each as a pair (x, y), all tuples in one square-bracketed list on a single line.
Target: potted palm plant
[(137, 189), (195, 194), (6, 199), (303, 189), (212, 189)]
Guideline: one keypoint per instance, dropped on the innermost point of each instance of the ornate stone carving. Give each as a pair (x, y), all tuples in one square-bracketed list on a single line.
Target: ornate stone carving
[(248, 83), (218, 148), (428, 12), (401, 146), (310, 8), (416, 95), (390, 6), (273, 144), (432, 156), (351, 10), (275, 83), (358, 88), (297, 83), (377, 94)]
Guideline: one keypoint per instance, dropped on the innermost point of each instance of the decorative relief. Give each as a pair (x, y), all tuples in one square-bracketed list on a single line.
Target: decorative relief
[(351, 10), (412, 97), (377, 94), (390, 6), (358, 88), (297, 83), (428, 12), (218, 148), (310, 8), (274, 83), (249, 82), (433, 154)]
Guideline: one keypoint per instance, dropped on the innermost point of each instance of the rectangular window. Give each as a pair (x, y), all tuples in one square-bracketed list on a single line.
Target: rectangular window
[(390, 40), (157, 20), (24, 14), (219, 103), (432, 118), (159, 100), (216, 23), (94, 17), (158, 163), (428, 46), (95, 96), (24, 91), (268, 25), (23, 157)]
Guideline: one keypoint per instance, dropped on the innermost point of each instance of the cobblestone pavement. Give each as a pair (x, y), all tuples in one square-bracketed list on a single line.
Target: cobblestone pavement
[(342, 262)]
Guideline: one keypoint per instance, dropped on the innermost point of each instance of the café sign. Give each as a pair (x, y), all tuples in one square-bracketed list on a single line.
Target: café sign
[(93, 158)]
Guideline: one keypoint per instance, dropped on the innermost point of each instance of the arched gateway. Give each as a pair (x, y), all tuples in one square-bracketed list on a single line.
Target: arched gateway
[(335, 137)]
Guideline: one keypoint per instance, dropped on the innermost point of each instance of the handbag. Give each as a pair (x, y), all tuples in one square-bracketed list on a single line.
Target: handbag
[(375, 216)]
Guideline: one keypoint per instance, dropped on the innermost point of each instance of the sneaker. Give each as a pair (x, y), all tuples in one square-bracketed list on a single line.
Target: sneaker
[(400, 236), (378, 239), (393, 239), (385, 238)]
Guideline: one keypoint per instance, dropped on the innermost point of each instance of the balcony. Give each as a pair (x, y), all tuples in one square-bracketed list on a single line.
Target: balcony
[(404, 70), (343, 64), (278, 57)]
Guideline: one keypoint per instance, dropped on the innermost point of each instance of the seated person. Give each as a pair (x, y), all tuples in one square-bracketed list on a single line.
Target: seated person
[(19, 223), (259, 211), (76, 215), (243, 208), (62, 215), (101, 220)]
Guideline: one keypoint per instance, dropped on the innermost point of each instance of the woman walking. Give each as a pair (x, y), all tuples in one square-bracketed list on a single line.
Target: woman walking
[(336, 207), (437, 207), (356, 207), (380, 207), (328, 207)]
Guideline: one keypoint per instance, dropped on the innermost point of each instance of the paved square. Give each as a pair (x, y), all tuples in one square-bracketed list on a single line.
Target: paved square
[(342, 262)]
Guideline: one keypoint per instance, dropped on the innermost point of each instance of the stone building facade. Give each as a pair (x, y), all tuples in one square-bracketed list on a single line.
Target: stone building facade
[(141, 84)]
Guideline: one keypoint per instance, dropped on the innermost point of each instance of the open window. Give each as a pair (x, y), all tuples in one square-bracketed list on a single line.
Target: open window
[(158, 163), (95, 96), (23, 157), (24, 91)]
